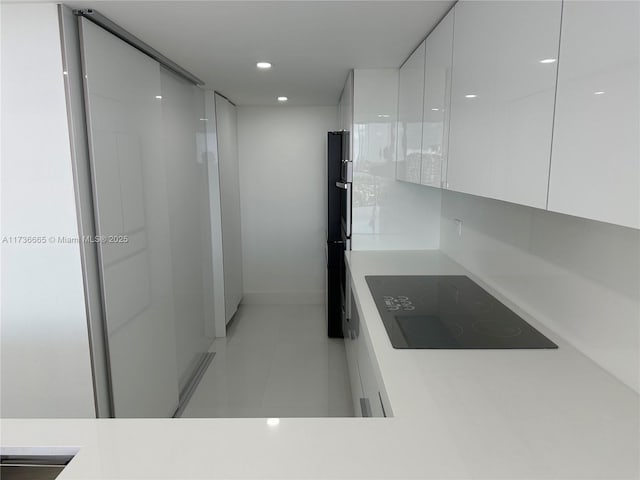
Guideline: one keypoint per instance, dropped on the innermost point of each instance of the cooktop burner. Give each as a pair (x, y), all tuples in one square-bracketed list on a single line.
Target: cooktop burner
[(448, 311)]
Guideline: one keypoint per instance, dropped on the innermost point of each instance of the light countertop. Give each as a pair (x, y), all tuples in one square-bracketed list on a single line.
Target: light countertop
[(476, 414)]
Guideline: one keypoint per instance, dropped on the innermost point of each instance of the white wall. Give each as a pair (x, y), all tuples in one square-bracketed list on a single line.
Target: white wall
[(579, 277), (45, 365), (282, 155), (387, 214)]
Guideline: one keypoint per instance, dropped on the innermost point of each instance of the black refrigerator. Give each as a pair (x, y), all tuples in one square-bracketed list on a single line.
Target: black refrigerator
[(339, 180)]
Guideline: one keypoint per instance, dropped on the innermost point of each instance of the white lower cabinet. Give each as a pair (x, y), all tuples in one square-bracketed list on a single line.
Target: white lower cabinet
[(367, 392), (371, 401), (350, 335)]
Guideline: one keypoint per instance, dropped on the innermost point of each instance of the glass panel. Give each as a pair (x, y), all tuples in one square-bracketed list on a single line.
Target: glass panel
[(184, 149), (150, 179)]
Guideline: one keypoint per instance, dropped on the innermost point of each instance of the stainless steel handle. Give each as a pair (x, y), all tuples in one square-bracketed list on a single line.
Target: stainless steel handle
[(365, 407), (342, 185), (347, 170)]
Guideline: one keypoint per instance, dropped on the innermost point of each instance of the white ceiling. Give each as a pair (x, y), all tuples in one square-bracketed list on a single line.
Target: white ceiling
[(311, 44)]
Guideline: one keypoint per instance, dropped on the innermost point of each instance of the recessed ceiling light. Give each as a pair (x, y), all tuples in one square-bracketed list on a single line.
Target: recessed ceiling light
[(159, 97), (548, 60), (435, 109), (598, 93), (263, 65), (283, 99), (273, 422), (383, 115), (470, 95)]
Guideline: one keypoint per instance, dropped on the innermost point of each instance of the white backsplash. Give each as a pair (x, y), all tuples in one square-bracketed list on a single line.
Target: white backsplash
[(387, 214), (581, 278)]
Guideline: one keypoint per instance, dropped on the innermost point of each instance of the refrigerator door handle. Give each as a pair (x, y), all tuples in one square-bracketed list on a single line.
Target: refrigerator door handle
[(343, 185), (347, 170)]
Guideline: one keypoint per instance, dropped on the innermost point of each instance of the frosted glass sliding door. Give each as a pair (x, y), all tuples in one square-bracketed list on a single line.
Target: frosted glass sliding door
[(185, 154), (149, 174), (130, 192)]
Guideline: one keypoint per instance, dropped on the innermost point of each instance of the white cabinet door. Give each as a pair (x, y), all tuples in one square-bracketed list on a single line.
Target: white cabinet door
[(410, 100), (595, 167), (502, 99), (371, 402), (365, 388), (227, 134), (437, 91), (351, 329)]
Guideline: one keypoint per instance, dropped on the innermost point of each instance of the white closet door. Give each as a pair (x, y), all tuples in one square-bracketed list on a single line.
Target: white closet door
[(226, 121), (124, 104), (184, 152)]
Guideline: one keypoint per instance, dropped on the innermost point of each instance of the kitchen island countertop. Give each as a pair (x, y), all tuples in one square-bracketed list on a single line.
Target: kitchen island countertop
[(472, 414)]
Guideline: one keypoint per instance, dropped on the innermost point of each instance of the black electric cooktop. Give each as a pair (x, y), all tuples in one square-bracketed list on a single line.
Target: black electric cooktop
[(448, 311)]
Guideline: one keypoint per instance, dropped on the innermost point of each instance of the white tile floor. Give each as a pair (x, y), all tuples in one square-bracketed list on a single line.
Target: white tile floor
[(275, 362)]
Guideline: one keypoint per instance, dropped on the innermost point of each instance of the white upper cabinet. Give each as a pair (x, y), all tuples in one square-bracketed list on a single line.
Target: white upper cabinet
[(410, 102), (595, 166), (502, 99), (437, 91)]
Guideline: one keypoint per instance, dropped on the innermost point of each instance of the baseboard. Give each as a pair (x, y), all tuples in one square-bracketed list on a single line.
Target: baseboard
[(284, 298)]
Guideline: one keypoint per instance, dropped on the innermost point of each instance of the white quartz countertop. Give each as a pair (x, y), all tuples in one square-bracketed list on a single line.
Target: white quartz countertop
[(473, 414)]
